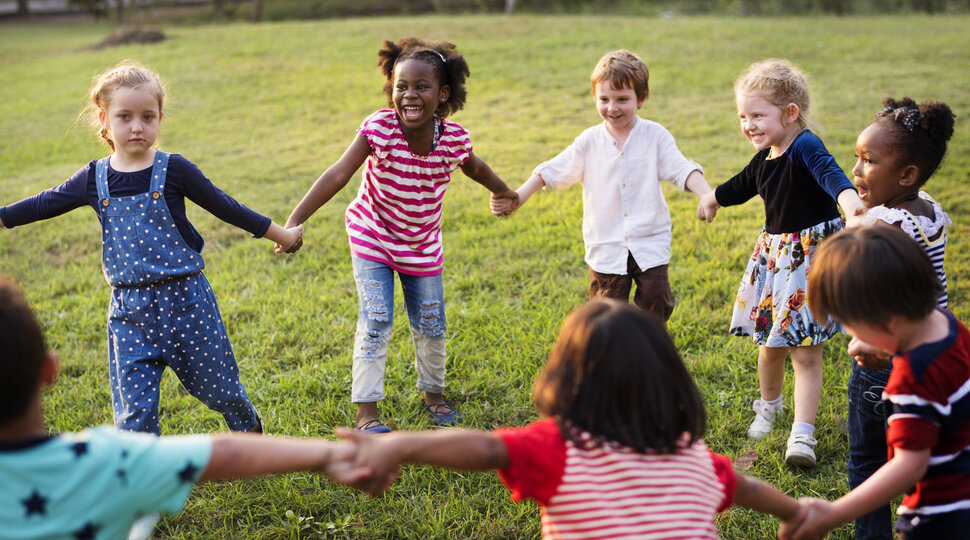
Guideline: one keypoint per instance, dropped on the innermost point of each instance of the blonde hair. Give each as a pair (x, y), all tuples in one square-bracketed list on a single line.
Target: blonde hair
[(624, 70), (781, 83), (127, 74)]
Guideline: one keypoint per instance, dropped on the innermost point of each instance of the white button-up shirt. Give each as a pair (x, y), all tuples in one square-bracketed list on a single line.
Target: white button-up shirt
[(624, 209)]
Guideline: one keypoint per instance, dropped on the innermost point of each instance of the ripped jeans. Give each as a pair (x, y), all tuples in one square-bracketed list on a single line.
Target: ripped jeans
[(425, 303)]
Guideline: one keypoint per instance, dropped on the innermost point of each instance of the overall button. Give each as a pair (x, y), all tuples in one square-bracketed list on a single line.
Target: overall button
[(155, 195), (104, 202)]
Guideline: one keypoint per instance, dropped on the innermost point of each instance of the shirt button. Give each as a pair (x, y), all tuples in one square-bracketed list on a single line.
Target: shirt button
[(622, 185), (625, 214)]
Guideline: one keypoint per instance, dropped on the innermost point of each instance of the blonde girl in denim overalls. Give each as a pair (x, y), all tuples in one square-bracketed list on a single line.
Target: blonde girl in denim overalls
[(162, 311)]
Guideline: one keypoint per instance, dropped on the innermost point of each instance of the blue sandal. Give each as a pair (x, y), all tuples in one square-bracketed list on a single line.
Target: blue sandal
[(450, 417), (374, 426)]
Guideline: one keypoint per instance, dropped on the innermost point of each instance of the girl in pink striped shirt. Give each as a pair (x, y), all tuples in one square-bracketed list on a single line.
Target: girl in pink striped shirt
[(619, 452), (394, 224)]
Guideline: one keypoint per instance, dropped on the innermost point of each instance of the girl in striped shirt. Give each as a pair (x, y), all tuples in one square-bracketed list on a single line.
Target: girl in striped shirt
[(895, 156), (394, 224), (619, 450)]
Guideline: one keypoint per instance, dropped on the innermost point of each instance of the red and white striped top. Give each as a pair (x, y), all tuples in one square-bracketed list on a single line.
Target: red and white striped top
[(611, 491), (396, 217)]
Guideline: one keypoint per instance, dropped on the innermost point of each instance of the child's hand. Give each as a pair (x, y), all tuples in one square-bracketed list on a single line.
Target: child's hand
[(814, 523), (868, 356), (294, 240), (504, 203), (375, 453), (856, 217), (707, 207), (342, 466)]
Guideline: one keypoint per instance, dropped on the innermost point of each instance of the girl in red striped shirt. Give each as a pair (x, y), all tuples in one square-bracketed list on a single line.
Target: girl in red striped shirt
[(619, 450), (394, 224)]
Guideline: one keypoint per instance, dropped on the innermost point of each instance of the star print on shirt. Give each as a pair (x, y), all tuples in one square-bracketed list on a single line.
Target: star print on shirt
[(187, 474), (123, 477), (87, 532), (79, 449), (35, 504)]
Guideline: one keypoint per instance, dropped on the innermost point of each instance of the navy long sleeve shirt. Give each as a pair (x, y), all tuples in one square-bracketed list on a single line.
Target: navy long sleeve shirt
[(183, 180), (800, 188)]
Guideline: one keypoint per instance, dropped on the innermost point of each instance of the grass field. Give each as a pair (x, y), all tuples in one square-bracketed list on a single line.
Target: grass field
[(263, 110)]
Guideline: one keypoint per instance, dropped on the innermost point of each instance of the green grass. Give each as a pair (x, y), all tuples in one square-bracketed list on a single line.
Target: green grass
[(263, 110)]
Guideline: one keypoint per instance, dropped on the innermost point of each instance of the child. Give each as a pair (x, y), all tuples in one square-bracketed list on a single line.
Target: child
[(97, 483), (394, 224), (163, 311), (620, 450), (896, 155), (929, 426), (800, 183), (626, 223)]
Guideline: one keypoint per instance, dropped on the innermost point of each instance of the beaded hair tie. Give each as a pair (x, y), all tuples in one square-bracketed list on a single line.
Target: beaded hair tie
[(907, 116)]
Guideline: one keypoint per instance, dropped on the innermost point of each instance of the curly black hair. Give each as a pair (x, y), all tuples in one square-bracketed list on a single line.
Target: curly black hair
[(918, 133), (449, 67)]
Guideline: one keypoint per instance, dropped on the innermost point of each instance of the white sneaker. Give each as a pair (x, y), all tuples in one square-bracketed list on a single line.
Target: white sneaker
[(764, 419), (801, 451)]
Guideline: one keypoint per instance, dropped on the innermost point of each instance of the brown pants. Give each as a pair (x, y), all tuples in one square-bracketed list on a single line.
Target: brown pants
[(653, 292)]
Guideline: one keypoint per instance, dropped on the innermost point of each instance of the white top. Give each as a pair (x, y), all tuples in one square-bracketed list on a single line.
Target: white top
[(624, 209)]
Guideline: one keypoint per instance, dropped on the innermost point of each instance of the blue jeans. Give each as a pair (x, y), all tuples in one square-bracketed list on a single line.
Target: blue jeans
[(425, 303), (867, 443)]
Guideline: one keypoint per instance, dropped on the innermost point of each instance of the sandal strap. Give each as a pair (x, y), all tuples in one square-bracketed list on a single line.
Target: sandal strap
[(370, 424), (437, 406)]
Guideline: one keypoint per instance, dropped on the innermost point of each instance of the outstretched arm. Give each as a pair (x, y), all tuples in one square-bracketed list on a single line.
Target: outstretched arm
[(758, 495), (468, 450), (329, 184), (697, 184), (479, 171), (891, 480), (243, 455)]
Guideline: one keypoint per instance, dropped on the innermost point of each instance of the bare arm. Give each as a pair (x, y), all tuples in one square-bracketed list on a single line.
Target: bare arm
[(707, 206), (242, 455), (891, 480), (331, 181), (763, 497), (468, 450)]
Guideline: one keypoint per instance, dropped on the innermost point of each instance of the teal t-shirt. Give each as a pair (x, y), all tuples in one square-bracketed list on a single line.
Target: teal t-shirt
[(96, 483)]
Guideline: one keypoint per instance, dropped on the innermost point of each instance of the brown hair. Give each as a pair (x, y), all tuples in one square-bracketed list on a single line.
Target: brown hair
[(127, 74), (624, 70), (22, 352), (615, 373), (779, 82), (871, 274)]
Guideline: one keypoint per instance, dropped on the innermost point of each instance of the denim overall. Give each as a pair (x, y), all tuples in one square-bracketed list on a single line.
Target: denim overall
[(162, 312)]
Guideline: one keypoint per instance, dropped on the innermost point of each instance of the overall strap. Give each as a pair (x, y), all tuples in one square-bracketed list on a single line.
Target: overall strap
[(158, 172), (101, 178)]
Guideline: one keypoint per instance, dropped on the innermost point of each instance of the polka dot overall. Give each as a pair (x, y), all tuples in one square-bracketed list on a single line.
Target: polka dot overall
[(162, 312)]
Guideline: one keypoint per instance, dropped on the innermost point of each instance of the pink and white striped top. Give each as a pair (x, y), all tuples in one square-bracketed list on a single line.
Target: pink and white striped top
[(396, 217), (612, 491)]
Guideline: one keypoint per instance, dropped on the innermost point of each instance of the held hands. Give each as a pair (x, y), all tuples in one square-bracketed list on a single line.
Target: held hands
[(814, 523), (856, 217), (868, 356), (707, 207), (342, 465), (294, 240), (375, 453), (504, 203)]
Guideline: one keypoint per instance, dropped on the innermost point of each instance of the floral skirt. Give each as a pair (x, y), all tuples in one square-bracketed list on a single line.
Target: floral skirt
[(770, 305)]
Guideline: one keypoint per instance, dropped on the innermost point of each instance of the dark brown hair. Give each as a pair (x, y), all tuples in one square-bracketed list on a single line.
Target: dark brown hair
[(917, 133), (615, 373), (22, 352), (449, 67), (871, 274)]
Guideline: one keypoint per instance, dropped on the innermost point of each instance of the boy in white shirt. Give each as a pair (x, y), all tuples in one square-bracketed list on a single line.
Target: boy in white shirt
[(626, 223)]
